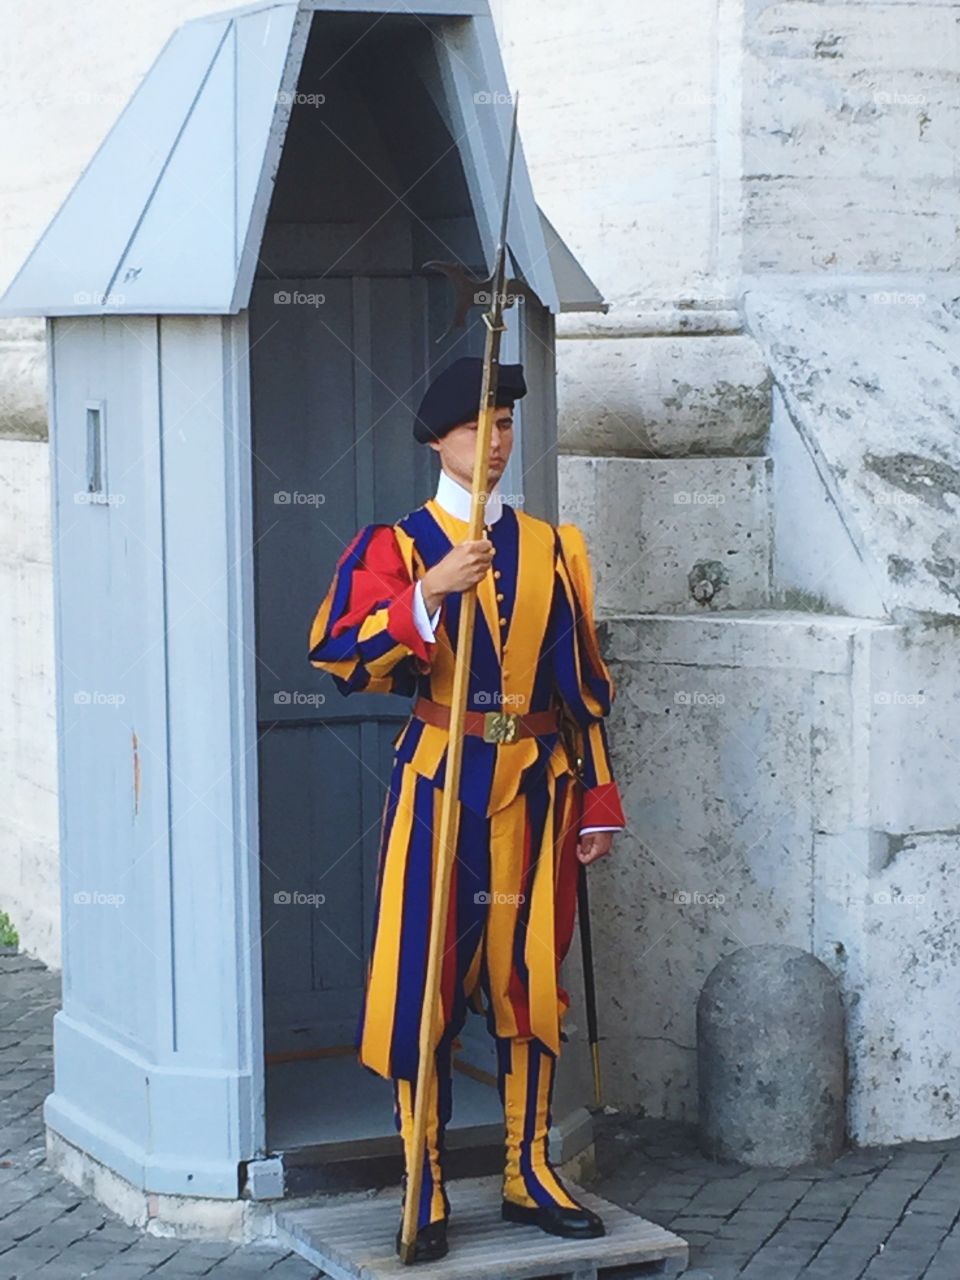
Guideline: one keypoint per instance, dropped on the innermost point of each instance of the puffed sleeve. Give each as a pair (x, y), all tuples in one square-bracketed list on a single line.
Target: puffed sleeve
[(585, 683), (365, 631)]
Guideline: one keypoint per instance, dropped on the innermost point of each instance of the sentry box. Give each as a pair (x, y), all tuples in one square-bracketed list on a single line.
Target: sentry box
[(239, 324)]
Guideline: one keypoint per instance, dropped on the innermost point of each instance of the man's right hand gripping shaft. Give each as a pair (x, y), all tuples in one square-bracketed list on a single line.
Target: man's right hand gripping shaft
[(461, 568)]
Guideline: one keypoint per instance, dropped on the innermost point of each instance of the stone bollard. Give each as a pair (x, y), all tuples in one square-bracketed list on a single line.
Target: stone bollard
[(770, 1044)]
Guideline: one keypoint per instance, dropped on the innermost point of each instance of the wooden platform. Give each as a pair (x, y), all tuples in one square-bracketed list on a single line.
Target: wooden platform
[(355, 1239)]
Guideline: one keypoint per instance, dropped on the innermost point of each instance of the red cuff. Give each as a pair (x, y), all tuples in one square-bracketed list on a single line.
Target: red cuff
[(602, 807), (403, 626)]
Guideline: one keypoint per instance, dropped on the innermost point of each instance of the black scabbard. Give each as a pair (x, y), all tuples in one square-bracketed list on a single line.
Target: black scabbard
[(569, 735)]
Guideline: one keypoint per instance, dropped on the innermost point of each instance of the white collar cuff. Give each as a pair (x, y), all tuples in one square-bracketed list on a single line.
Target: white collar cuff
[(453, 497)]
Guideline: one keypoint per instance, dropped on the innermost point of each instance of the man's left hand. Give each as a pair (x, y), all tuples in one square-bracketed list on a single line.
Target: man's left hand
[(594, 845)]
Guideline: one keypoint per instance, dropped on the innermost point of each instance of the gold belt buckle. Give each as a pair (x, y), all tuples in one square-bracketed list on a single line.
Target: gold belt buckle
[(500, 726)]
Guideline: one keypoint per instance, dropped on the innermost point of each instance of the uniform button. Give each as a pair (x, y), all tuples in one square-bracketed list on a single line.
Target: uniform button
[(496, 573), (499, 595), (503, 622), (505, 674)]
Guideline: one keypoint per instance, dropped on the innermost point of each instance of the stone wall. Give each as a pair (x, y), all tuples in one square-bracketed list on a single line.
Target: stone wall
[(850, 120), (630, 117), (29, 829)]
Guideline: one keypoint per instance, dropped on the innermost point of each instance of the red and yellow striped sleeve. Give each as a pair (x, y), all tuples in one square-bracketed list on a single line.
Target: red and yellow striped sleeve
[(364, 631)]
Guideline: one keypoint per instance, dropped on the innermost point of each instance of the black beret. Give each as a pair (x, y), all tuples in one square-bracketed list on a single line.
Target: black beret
[(454, 396)]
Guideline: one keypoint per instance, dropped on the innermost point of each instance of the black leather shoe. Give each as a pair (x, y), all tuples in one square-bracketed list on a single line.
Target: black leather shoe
[(557, 1220), (431, 1241)]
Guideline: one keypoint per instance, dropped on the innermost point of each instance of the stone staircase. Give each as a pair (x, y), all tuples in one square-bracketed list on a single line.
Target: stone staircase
[(769, 744)]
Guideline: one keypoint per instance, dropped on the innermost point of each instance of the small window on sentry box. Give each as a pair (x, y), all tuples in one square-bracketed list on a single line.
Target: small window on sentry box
[(96, 449)]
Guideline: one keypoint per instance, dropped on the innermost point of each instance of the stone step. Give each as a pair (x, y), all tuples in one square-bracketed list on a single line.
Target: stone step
[(673, 534), (796, 639), (355, 1240), (652, 394)]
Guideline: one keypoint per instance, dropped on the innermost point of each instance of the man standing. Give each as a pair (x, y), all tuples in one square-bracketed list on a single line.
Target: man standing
[(389, 623)]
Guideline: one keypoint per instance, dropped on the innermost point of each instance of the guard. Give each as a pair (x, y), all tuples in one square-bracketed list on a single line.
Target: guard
[(537, 794)]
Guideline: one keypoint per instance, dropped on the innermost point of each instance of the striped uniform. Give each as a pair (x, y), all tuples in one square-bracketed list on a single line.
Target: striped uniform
[(513, 889)]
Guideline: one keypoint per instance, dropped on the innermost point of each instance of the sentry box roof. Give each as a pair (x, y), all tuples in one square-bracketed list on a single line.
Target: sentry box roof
[(168, 216)]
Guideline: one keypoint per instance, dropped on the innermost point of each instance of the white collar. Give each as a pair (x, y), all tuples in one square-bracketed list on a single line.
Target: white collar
[(453, 497)]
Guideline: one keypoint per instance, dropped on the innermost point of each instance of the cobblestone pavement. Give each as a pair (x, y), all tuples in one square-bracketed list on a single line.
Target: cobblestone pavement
[(879, 1214), (883, 1214)]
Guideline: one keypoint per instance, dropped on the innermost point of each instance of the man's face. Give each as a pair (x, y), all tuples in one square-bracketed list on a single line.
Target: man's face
[(458, 446)]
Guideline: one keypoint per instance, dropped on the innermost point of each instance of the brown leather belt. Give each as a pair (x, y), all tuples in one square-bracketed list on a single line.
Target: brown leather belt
[(492, 726)]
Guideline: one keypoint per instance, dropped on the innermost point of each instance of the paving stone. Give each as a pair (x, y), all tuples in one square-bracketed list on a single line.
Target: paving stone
[(27, 1257), (118, 1232), (803, 1233), (120, 1271), (293, 1267), (94, 1253), (754, 1219), (660, 1214), (884, 1268), (826, 1213), (59, 1269), (718, 1265), (812, 1172), (788, 1254), (760, 1268), (863, 1161), (777, 1195), (951, 1243), (60, 1234), (860, 1231), (826, 1199), (886, 1203), (247, 1262), (941, 1270), (185, 1263), (722, 1253), (837, 1264), (719, 1197), (215, 1250), (720, 1272), (152, 1249), (685, 1223)]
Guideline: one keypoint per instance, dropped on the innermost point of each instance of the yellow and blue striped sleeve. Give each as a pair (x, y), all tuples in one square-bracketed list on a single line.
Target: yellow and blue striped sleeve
[(585, 683)]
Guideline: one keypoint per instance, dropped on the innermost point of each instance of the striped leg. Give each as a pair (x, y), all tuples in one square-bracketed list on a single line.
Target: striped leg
[(434, 1205), (525, 1076)]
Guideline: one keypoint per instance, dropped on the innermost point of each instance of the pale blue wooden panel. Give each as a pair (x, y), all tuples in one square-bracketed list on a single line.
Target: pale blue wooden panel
[(262, 40), (208, 576), (110, 687), (185, 247), (75, 261), (575, 289), (314, 849), (303, 466)]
